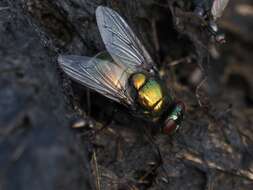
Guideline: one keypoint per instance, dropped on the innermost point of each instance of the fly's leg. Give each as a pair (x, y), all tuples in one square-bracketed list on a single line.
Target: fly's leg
[(154, 166), (109, 119), (84, 120), (91, 134), (86, 125)]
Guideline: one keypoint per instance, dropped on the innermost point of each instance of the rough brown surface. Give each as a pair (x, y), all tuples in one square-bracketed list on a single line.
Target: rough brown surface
[(39, 105)]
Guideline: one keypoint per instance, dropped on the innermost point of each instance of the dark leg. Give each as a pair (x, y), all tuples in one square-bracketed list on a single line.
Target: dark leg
[(91, 134)]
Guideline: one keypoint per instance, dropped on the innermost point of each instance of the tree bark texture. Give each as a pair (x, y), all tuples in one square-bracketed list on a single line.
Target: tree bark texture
[(42, 145)]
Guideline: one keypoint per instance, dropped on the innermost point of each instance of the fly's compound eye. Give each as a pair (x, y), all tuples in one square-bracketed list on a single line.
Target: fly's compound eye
[(170, 127), (220, 38)]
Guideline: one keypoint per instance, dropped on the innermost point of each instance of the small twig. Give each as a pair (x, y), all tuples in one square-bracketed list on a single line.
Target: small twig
[(97, 174), (10, 70), (19, 151), (88, 101), (4, 8), (212, 165), (186, 59), (119, 182), (155, 39), (197, 90)]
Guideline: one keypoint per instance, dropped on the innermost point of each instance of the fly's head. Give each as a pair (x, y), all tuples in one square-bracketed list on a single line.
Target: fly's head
[(217, 35), (174, 119)]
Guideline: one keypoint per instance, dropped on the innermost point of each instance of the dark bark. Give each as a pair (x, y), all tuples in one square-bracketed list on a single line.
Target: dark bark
[(39, 104)]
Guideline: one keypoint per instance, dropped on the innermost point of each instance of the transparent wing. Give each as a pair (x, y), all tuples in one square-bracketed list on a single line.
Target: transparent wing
[(121, 42), (218, 7), (99, 74)]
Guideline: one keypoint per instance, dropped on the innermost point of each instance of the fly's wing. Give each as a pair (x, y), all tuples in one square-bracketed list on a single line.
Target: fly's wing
[(101, 75), (121, 42), (218, 7)]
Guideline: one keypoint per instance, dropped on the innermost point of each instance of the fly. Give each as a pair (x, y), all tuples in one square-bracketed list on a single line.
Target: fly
[(211, 10), (125, 73)]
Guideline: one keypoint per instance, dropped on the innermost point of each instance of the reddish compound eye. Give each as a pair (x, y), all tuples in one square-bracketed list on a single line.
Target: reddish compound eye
[(170, 127), (220, 38)]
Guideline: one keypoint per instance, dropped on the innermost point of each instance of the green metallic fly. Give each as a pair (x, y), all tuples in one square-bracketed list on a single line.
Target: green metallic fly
[(126, 74)]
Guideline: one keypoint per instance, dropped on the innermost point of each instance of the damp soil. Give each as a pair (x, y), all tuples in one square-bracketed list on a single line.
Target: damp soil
[(56, 134)]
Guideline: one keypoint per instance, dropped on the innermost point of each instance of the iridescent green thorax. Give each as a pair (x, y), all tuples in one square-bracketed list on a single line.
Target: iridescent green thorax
[(151, 95)]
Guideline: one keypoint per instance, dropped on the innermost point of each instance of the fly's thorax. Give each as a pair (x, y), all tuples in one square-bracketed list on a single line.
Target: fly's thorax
[(149, 93)]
